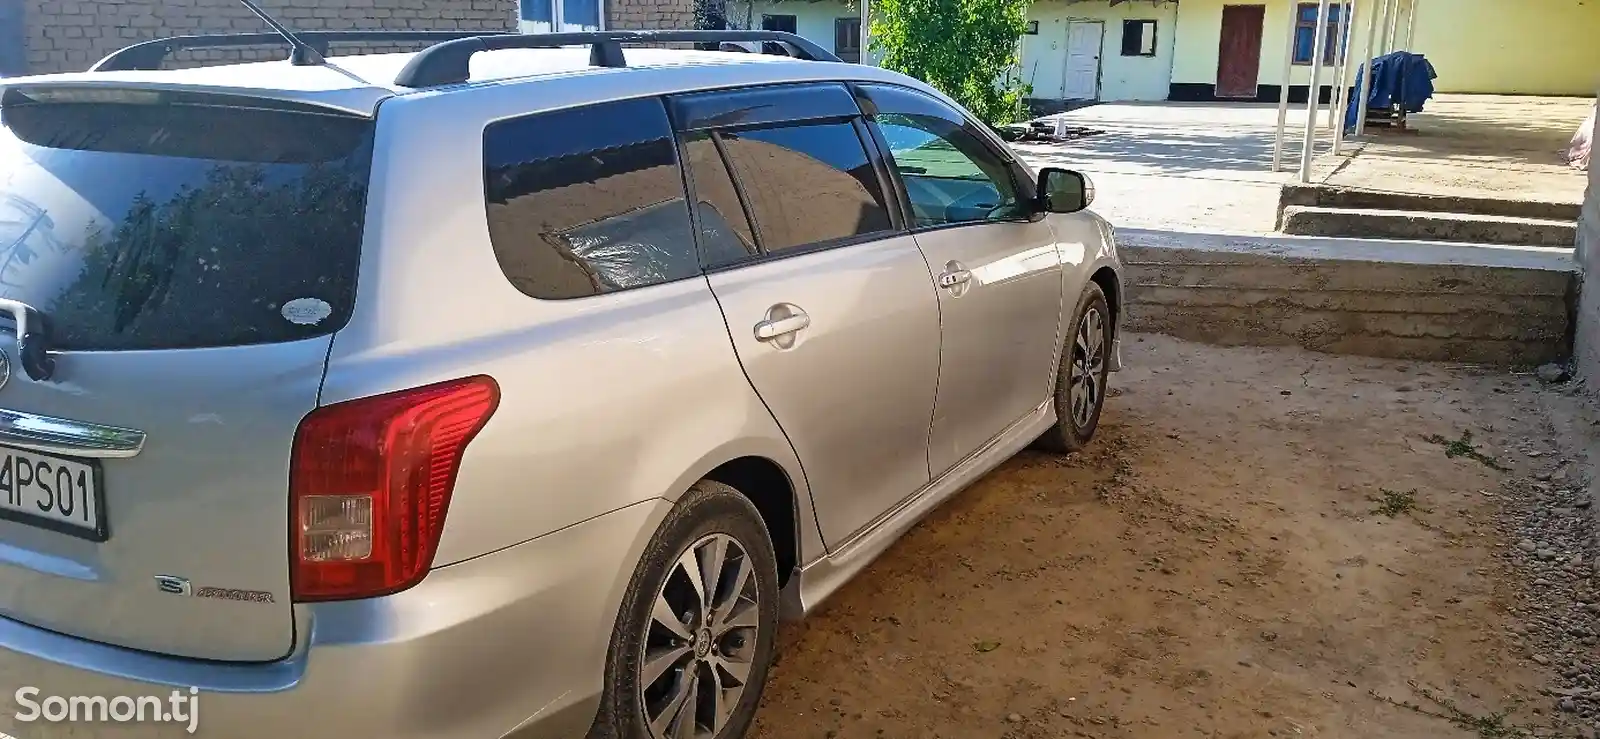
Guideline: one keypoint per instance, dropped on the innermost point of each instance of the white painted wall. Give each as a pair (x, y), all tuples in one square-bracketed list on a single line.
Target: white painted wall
[(813, 20), (1044, 56)]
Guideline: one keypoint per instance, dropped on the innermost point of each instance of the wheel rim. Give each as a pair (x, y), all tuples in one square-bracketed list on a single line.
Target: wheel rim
[(1088, 365), (700, 641)]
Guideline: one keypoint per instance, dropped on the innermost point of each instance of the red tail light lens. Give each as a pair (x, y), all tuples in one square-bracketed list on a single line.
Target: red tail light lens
[(369, 483)]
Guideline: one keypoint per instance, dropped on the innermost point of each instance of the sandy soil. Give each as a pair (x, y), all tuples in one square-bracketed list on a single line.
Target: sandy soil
[(1214, 566)]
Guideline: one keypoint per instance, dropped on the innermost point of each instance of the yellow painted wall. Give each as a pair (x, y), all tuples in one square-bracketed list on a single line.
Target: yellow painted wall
[(1200, 33), (1044, 56), (1528, 47)]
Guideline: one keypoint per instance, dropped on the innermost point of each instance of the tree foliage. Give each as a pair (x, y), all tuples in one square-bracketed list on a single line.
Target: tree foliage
[(965, 48)]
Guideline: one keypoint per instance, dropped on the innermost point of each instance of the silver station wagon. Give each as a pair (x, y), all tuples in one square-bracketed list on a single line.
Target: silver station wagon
[(517, 386)]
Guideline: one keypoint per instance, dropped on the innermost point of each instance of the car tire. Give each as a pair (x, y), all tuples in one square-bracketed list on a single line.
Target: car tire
[(654, 666), (1080, 392)]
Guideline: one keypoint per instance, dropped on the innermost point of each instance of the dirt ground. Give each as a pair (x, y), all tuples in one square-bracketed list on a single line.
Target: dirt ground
[(1215, 565)]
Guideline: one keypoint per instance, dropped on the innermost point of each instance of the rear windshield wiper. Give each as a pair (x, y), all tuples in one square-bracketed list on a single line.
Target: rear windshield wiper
[(33, 339)]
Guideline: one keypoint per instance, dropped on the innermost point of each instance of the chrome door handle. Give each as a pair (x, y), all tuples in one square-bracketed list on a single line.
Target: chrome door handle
[(773, 328), (954, 278)]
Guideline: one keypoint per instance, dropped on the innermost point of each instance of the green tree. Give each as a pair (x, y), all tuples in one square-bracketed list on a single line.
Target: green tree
[(965, 48)]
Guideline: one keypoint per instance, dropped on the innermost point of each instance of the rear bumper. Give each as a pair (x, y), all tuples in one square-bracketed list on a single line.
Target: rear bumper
[(514, 640)]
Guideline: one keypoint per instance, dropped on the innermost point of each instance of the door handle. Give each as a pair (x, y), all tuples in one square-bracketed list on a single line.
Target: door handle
[(773, 328), (955, 277)]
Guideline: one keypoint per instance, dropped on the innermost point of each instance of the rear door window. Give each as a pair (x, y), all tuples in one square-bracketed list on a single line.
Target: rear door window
[(180, 223), (588, 200), (807, 184)]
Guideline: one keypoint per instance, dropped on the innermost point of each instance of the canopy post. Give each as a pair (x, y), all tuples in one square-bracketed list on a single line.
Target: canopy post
[(1318, 43), (1366, 81), (1341, 60), (1283, 90), (1411, 25), (1345, 83)]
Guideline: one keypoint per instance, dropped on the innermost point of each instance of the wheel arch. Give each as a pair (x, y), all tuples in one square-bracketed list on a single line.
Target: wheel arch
[(773, 493)]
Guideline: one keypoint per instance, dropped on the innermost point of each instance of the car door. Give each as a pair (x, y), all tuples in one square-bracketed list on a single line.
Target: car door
[(995, 262), (828, 301)]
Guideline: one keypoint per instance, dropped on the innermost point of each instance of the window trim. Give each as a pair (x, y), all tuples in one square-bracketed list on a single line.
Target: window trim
[(1013, 166), (895, 202), (1331, 52), (1155, 37), (790, 16)]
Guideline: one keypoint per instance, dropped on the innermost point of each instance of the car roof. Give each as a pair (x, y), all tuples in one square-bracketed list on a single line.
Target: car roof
[(358, 83)]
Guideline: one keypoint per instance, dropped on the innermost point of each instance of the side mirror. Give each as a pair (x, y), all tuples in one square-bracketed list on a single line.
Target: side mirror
[(1064, 191)]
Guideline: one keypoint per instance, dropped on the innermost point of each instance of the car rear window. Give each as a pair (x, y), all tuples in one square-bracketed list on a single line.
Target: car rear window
[(167, 225)]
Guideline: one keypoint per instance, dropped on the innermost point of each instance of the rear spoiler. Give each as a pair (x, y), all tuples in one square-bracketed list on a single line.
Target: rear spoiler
[(107, 88)]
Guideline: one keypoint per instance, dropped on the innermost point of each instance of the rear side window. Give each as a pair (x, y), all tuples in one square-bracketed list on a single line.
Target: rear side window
[(168, 225), (807, 184), (725, 233), (588, 200)]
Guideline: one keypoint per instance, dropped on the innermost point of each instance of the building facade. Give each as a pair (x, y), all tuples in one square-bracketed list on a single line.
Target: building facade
[(42, 36), (1220, 50)]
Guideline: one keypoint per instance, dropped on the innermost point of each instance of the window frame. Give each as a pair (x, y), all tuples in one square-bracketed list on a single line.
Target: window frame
[(677, 154), (1155, 38), (1332, 44), (894, 200), (1021, 177), (857, 51), (794, 21)]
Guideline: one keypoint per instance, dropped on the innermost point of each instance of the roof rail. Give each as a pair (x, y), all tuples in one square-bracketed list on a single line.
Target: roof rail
[(448, 63), (150, 54)]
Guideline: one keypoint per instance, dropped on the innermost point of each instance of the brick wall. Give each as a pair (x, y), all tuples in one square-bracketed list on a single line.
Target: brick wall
[(637, 14), (71, 35)]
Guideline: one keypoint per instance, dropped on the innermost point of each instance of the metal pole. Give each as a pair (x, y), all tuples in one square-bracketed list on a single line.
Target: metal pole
[(1341, 59), (1365, 93), (1411, 25), (1344, 83), (1383, 29), (1393, 26), (1283, 90), (1318, 43)]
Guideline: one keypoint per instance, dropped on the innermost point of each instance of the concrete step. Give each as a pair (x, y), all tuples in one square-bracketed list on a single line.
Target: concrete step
[(1328, 196), (1504, 306), (1365, 223)]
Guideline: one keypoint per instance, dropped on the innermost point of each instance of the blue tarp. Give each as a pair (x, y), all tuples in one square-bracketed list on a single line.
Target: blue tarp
[(1400, 78)]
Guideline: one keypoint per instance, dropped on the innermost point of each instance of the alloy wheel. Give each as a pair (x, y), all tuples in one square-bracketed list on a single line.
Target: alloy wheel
[(1087, 368), (700, 641)]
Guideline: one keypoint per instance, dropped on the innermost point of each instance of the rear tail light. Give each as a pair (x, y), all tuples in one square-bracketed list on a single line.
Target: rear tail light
[(369, 483)]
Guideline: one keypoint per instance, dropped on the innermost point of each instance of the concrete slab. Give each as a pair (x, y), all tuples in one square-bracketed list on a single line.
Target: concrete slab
[(1492, 146), (1502, 306), (1362, 250), (1333, 196), (1180, 166), (1373, 223)]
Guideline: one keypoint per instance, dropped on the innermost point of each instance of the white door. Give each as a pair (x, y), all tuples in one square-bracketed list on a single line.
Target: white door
[(1082, 78)]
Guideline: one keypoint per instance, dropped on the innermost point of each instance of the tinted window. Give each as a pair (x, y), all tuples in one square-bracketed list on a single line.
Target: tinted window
[(588, 200), (163, 226), (807, 184), (725, 234), (951, 174)]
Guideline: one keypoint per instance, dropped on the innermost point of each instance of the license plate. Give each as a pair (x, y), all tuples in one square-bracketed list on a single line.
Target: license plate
[(52, 492)]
